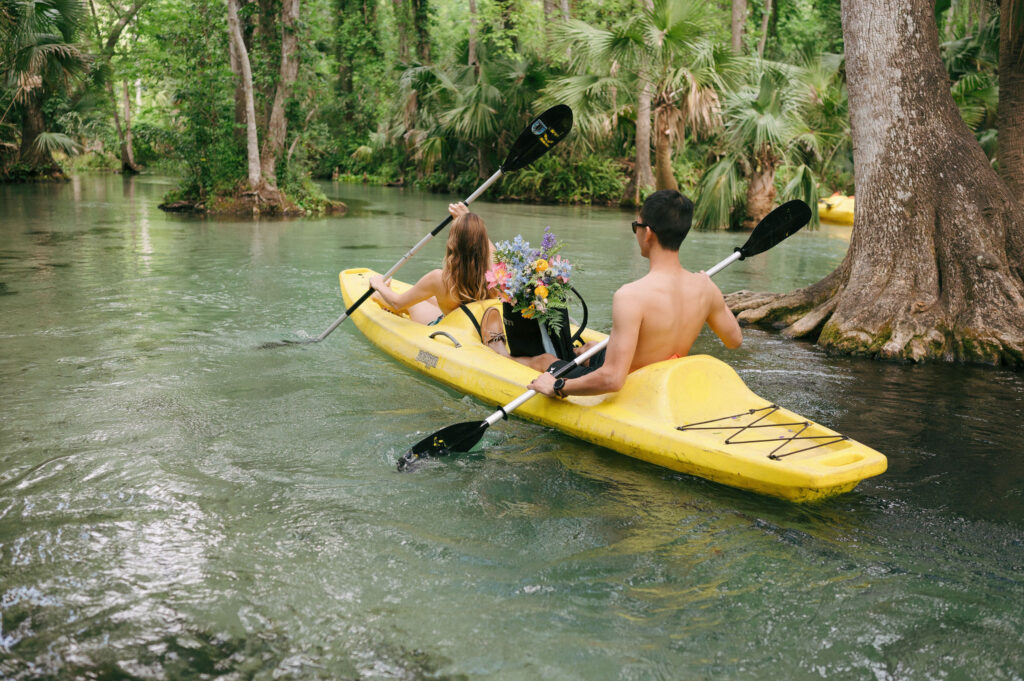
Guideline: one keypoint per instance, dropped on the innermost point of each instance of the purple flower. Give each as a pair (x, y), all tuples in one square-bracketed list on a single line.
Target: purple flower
[(549, 240)]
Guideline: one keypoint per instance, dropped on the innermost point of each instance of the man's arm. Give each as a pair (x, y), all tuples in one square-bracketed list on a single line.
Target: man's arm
[(721, 319), (626, 318)]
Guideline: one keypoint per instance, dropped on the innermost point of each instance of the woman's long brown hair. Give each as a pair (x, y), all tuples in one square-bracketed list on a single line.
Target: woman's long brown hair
[(466, 259)]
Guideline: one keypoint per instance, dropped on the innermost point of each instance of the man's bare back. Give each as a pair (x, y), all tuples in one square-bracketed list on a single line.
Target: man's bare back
[(658, 316), (674, 308)]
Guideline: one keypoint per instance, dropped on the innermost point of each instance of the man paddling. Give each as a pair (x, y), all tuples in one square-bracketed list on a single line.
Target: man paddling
[(656, 317)]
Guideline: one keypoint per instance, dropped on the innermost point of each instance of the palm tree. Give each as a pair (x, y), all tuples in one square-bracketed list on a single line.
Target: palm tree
[(466, 107), (782, 116), (659, 62), (38, 57)]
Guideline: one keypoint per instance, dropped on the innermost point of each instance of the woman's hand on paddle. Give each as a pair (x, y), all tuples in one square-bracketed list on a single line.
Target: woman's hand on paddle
[(458, 209), (378, 282)]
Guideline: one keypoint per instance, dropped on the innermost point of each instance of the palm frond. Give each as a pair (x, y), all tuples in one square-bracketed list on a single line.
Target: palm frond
[(719, 192), (803, 186), (49, 142)]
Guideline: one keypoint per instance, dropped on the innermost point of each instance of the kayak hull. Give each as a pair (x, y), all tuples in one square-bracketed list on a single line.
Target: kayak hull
[(729, 434)]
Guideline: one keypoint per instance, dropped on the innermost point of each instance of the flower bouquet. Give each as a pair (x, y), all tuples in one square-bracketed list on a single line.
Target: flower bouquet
[(533, 282)]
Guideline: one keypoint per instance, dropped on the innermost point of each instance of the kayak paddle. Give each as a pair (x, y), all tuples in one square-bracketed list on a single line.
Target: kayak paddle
[(543, 133), (461, 437)]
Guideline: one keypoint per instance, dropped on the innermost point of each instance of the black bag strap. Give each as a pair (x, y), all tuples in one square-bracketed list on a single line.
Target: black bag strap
[(476, 324), (583, 324)]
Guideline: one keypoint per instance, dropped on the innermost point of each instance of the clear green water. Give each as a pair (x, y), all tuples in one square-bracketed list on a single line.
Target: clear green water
[(178, 504)]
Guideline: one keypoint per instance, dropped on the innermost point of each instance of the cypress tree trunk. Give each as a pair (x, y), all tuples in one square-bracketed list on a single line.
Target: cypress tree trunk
[(935, 268)]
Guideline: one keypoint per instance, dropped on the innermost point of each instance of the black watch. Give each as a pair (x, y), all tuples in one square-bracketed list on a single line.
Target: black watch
[(557, 387)]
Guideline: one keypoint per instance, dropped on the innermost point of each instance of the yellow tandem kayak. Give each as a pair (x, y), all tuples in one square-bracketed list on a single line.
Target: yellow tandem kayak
[(836, 208), (693, 415)]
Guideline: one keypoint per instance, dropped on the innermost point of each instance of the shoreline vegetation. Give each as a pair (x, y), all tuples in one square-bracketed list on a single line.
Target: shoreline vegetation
[(740, 104)]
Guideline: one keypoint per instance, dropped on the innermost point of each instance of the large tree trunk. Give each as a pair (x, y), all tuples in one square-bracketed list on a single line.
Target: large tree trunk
[(739, 20), (251, 136), (664, 175), (277, 125), (935, 267), (1011, 94)]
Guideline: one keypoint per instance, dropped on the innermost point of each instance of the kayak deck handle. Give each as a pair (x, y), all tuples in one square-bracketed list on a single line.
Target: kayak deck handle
[(448, 336)]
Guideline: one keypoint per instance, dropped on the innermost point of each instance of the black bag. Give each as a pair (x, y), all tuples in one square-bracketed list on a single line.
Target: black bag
[(524, 335)]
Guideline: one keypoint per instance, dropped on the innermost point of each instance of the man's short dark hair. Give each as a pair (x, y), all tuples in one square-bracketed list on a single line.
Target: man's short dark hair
[(669, 215)]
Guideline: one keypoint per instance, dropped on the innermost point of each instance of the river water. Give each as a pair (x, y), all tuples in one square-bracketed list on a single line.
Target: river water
[(176, 503)]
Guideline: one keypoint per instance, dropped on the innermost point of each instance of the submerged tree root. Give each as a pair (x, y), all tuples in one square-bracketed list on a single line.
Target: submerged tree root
[(903, 330)]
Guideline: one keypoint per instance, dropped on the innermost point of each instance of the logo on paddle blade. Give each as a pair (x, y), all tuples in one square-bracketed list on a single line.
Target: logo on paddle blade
[(539, 127)]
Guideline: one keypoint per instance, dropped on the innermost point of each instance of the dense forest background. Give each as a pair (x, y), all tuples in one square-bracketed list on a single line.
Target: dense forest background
[(739, 103)]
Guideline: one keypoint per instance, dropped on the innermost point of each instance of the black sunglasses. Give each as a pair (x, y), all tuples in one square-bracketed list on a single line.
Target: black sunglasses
[(637, 223)]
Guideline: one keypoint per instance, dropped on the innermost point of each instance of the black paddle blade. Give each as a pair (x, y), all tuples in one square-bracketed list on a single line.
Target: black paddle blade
[(460, 437), (543, 132), (782, 222)]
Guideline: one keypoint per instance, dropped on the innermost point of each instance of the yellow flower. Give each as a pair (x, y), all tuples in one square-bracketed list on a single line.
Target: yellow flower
[(528, 312), (541, 265), (541, 291)]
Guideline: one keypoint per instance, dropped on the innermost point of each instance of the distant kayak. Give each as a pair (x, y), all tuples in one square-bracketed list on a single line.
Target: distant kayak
[(836, 208), (694, 414)]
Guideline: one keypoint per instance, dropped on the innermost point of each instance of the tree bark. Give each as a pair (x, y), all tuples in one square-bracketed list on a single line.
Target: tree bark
[(277, 125), (935, 268), (765, 17), (643, 177), (471, 60), (739, 20), (664, 175), (251, 135), (760, 190), (1011, 95), (128, 164)]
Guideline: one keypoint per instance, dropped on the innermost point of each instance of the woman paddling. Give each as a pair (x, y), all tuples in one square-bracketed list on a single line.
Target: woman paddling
[(461, 279)]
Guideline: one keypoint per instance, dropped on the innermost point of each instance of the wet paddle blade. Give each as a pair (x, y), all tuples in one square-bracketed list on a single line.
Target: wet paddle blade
[(543, 132), (460, 437), (782, 222)]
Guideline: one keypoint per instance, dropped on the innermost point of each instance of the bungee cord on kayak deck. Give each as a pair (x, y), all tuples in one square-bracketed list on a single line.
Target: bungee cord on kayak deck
[(832, 438)]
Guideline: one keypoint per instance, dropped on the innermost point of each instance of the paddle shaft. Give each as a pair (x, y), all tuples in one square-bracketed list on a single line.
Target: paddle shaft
[(584, 356), (408, 256)]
